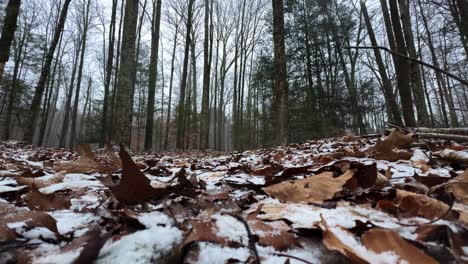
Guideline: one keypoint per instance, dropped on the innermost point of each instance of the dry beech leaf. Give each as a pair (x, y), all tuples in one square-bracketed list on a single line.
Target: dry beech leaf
[(91, 243), (85, 164), (383, 150), (314, 189), (334, 243), (37, 200), (112, 157), (41, 182), (204, 230), (12, 214), (399, 139), (6, 234), (410, 204), (134, 187), (274, 234), (459, 188), (453, 156), (382, 240)]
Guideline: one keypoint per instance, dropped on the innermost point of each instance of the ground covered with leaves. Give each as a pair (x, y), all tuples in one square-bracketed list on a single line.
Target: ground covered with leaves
[(393, 199)]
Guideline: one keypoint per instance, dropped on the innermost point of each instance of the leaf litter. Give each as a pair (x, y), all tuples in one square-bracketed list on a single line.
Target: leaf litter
[(340, 200)]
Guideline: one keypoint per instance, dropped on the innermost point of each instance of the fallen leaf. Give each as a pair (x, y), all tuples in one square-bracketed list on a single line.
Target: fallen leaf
[(453, 156), (459, 187), (410, 204), (134, 187), (12, 214), (274, 234), (41, 182), (383, 240), (91, 243), (314, 189), (38, 200)]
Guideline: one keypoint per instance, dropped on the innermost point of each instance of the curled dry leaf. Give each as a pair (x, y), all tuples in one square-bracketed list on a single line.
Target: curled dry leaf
[(91, 243), (459, 187), (85, 164), (37, 200), (385, 150), (333, 242), (274, 234), (6, 234), (314, 189), (134, 187), (12, 214), (410, 204), (383, 240), (42, 182), (453, 156)]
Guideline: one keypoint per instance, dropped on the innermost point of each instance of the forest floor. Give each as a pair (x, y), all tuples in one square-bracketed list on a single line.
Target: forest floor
[(395, 199)]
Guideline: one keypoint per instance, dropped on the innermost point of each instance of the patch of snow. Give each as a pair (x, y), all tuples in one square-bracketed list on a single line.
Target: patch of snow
[(230, 228), (154, 219), (68, 221), (71, 185), (214, 254), (6, 188), (141, 247), (39, 232)]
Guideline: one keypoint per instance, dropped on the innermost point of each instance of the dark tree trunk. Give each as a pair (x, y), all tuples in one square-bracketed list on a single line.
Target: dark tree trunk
[(110, 60), (281, 83), (181, 111), (8, 32), (402, 69), (36, 102), (387, 85), (153, 68), (205, 117), (122, 125)]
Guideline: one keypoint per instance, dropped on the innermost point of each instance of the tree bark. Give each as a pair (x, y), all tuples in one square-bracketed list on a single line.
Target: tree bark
[(8, 32), (281, 83), (402, 69), (171, 82), (36, 102), (122, 125), (205, 117), (153, 68), (181, 111), (110, 60), (387, 85)]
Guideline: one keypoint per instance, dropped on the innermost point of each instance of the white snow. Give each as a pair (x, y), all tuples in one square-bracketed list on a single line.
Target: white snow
[(68, 221), (154, 219), (230, 228), (141, 247)]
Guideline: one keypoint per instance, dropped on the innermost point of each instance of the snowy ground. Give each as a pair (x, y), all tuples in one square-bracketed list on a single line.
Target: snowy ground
[(342, 200)]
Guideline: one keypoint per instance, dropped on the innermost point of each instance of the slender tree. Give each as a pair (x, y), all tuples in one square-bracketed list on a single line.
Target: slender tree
[(8, 32), (122, 124), (281, 83), (155, 32), (181, 111), (205, 118), (36, 102)]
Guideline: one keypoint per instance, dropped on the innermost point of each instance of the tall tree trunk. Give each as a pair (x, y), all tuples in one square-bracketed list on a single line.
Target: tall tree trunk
[(181, 111), (152, 75), (402, 69), (19, 57), (208, 42), (415, 74), (63, 134), (386, 83), (440, 80), (110, 59), (80, 74), (122, 125), (171, 82), (36, 102), (281, 83), (8, 32)]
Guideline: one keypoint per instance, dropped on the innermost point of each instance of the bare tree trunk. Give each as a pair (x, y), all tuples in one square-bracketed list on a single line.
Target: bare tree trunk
[(8, 32), (387, 85), (208, 42), (181, 111), (63, 134), (415, 75), (84, 37), (281, 83), (122, 125), (402, 69), (110, 58), (171, 82), (36, 103)]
